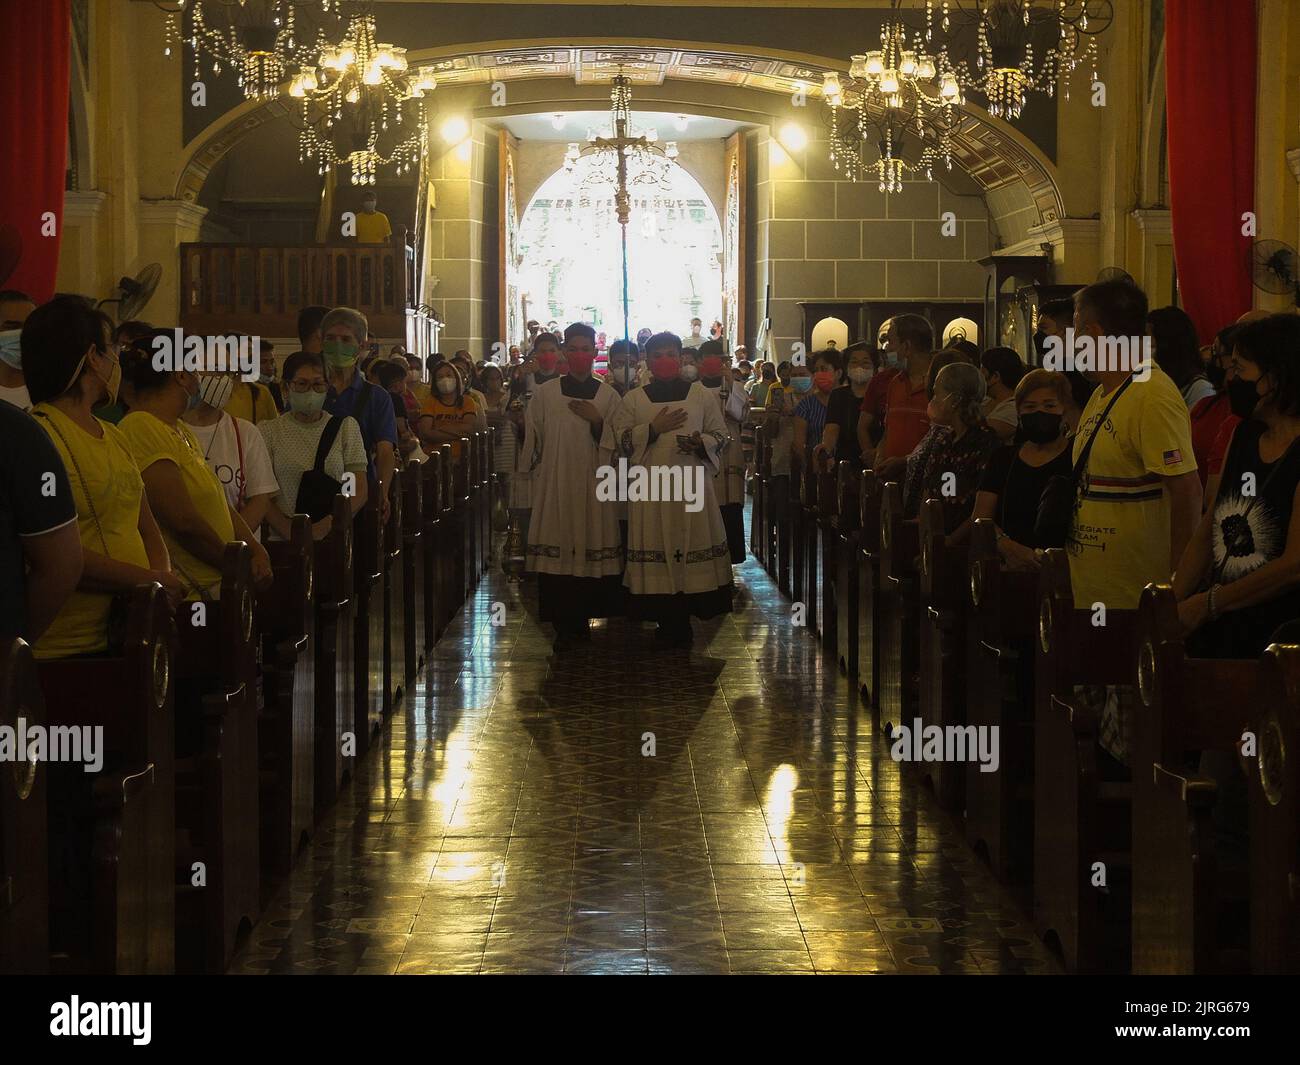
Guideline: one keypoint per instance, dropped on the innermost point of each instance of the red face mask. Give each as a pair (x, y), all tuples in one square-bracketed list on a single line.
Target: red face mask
[(580, 363), (824, 380), (546, 360), (711, 366), (665, 367)]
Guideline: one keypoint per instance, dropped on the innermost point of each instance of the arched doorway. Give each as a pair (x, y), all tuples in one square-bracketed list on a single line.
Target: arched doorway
[(570, 252)]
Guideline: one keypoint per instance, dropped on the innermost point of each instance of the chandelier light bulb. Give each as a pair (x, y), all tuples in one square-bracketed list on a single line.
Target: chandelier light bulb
[(907, 64), (875, 63), (925, 68), (889, 82), (858, 67)]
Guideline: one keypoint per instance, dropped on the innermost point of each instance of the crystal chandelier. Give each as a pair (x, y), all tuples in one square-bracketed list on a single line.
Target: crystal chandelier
[(258, 39), (892, 96), (358, 90), (1005, 69)]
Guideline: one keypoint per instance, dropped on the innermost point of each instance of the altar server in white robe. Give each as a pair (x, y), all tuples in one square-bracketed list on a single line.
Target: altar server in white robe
[(677, 557), (729, 481), (574, 545)]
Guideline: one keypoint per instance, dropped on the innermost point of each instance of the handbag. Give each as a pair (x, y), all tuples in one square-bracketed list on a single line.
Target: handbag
[(1056, 505), (317, 489)]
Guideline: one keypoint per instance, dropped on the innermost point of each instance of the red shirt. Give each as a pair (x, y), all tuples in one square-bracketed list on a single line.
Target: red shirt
[(874, 400), (1212, 425), (906, 421)]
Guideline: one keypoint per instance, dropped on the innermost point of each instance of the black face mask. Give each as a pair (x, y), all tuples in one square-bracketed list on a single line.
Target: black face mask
[(1040, 426), (1216, 374), (1242, 398)]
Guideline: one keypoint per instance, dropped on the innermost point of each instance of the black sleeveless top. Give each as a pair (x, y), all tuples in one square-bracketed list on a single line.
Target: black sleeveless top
[(1251, 519)]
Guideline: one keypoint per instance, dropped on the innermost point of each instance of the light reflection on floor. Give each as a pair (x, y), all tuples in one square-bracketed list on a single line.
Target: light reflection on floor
[(509, 821)]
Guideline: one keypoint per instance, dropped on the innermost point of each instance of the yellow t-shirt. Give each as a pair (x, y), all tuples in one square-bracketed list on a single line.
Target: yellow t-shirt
[(242, 404), (115, 488), (444, 415), (152, 440), (1120, 540), (373, 228)]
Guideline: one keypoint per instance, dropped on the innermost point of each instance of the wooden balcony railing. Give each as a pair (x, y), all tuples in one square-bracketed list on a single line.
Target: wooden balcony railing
[(259, 288)]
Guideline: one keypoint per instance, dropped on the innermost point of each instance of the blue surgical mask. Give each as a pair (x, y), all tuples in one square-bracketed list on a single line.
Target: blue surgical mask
[(891, 359), (801, 384), (11, 352), (193, 399)]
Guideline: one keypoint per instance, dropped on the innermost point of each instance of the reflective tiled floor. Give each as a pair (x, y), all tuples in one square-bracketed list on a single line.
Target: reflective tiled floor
[(631, 810)]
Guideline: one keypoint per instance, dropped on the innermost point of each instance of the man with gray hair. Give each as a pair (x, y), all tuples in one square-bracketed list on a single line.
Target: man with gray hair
[(344, 332)]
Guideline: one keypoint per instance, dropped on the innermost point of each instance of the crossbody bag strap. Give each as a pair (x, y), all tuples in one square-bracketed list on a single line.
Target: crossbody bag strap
[(1082, 462), (239, 449), (326, 442)]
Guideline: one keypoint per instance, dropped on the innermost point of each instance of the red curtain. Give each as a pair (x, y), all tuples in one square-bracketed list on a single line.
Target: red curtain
[(34, 65), (1210, 92)]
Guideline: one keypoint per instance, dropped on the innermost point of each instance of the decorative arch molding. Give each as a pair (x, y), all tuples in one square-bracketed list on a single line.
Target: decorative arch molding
[(994, 153), (1153, 129)]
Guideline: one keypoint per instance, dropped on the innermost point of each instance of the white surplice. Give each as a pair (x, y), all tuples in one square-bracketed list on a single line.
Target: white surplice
[(729, 480), (670, 549), (571, 532)]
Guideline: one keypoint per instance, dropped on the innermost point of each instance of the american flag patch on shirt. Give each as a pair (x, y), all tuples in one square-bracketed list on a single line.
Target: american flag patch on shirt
[(1174, 457)]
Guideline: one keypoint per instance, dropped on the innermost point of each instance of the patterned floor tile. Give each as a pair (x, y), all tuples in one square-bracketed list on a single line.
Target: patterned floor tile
[(507, 819)]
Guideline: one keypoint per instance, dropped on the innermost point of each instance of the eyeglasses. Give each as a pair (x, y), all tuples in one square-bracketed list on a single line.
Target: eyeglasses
[(308, 386)]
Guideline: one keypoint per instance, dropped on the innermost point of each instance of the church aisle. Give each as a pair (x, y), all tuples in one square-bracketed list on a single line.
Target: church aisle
[(513, 819)]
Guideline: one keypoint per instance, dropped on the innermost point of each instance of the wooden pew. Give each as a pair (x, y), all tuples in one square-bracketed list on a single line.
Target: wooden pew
[(759, 540), (452, 553), (433, 487), (827, 546), (417, 605), (944, 589), (397, 593), (1273, 790), (112, 835), (24, 852), (810, 553), (793, 564), (368, 689), (1079, 819), (335, 617), (485, 500), (847, 517), (896, 610), (868, 581), (286, 728), (1179, 887), (217, 769), (463, 479), (1001, 632)]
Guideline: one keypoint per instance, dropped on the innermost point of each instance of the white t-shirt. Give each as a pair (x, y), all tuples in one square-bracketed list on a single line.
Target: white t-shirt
[(292, 446), (17, 397), (1004, 412), (235, 451)]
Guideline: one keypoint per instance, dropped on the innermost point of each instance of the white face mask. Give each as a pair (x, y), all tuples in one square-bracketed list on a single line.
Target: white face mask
[(859, 375), (446, 385), (215, 390), (690, 372)]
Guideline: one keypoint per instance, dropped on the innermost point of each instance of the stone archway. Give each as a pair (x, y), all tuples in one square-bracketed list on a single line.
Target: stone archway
[(721, 79)]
